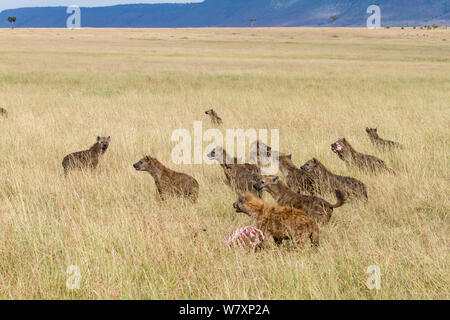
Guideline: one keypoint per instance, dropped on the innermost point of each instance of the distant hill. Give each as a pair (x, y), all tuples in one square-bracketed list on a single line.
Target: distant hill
[(236, 13)]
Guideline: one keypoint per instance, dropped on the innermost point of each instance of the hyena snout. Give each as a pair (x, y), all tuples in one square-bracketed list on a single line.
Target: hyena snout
[(138, 165), (258, 186), (211, 155), (304, 167), (105, 145), (237, 204), (335, 147), (236, 207)]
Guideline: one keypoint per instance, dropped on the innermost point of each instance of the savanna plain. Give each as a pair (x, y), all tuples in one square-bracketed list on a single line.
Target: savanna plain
[(63, 88)]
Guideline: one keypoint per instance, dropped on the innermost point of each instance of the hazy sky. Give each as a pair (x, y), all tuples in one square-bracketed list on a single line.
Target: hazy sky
[(10, 4)]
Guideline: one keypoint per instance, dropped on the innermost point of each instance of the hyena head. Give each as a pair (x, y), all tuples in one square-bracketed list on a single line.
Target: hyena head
[(216, 154), (147, 163), (285, 160), (260, 152), (372, 132), (310, 165), (266, 183), (249, 204), (340, 147), (104, 142), (210, 112)]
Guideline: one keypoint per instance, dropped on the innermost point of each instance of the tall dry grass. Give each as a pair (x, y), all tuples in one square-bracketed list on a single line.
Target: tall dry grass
[(62, 88)]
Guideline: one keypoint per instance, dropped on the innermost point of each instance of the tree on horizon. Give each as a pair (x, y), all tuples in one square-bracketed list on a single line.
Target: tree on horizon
[(11, 21)]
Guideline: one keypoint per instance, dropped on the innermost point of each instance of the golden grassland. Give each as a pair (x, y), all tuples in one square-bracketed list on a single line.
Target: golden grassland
[(62, 88)]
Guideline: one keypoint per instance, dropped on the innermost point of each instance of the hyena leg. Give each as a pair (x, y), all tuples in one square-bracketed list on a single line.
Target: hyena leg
[(314, 239)]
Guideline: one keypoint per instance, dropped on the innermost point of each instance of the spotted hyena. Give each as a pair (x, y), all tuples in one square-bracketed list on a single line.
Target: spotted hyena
[(366, 162), (86, 158), (241, 177), (318, 209), (169, 182), (279, 223), (215, 119), (381, 143), (328, 181), (296, 179)]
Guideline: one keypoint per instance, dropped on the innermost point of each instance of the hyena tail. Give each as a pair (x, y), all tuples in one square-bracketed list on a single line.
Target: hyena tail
[(340, 199)]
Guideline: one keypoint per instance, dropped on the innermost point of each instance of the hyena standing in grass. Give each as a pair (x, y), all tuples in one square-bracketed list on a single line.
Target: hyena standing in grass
[(241, 177), (86, 158), (366, 162), (280, 223), (3, 113), (169, 182), (215, 119), (327, 181), (296, 179), (318, 209), (381, 143)]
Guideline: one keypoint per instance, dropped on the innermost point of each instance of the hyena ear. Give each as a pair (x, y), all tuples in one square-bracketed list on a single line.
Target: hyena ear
[(147, 158), (109, 139), (314, 160), (276, 179), (241, 198), (376, 129), (367, 129), (289, 156), (343, 140), (98, 139)]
